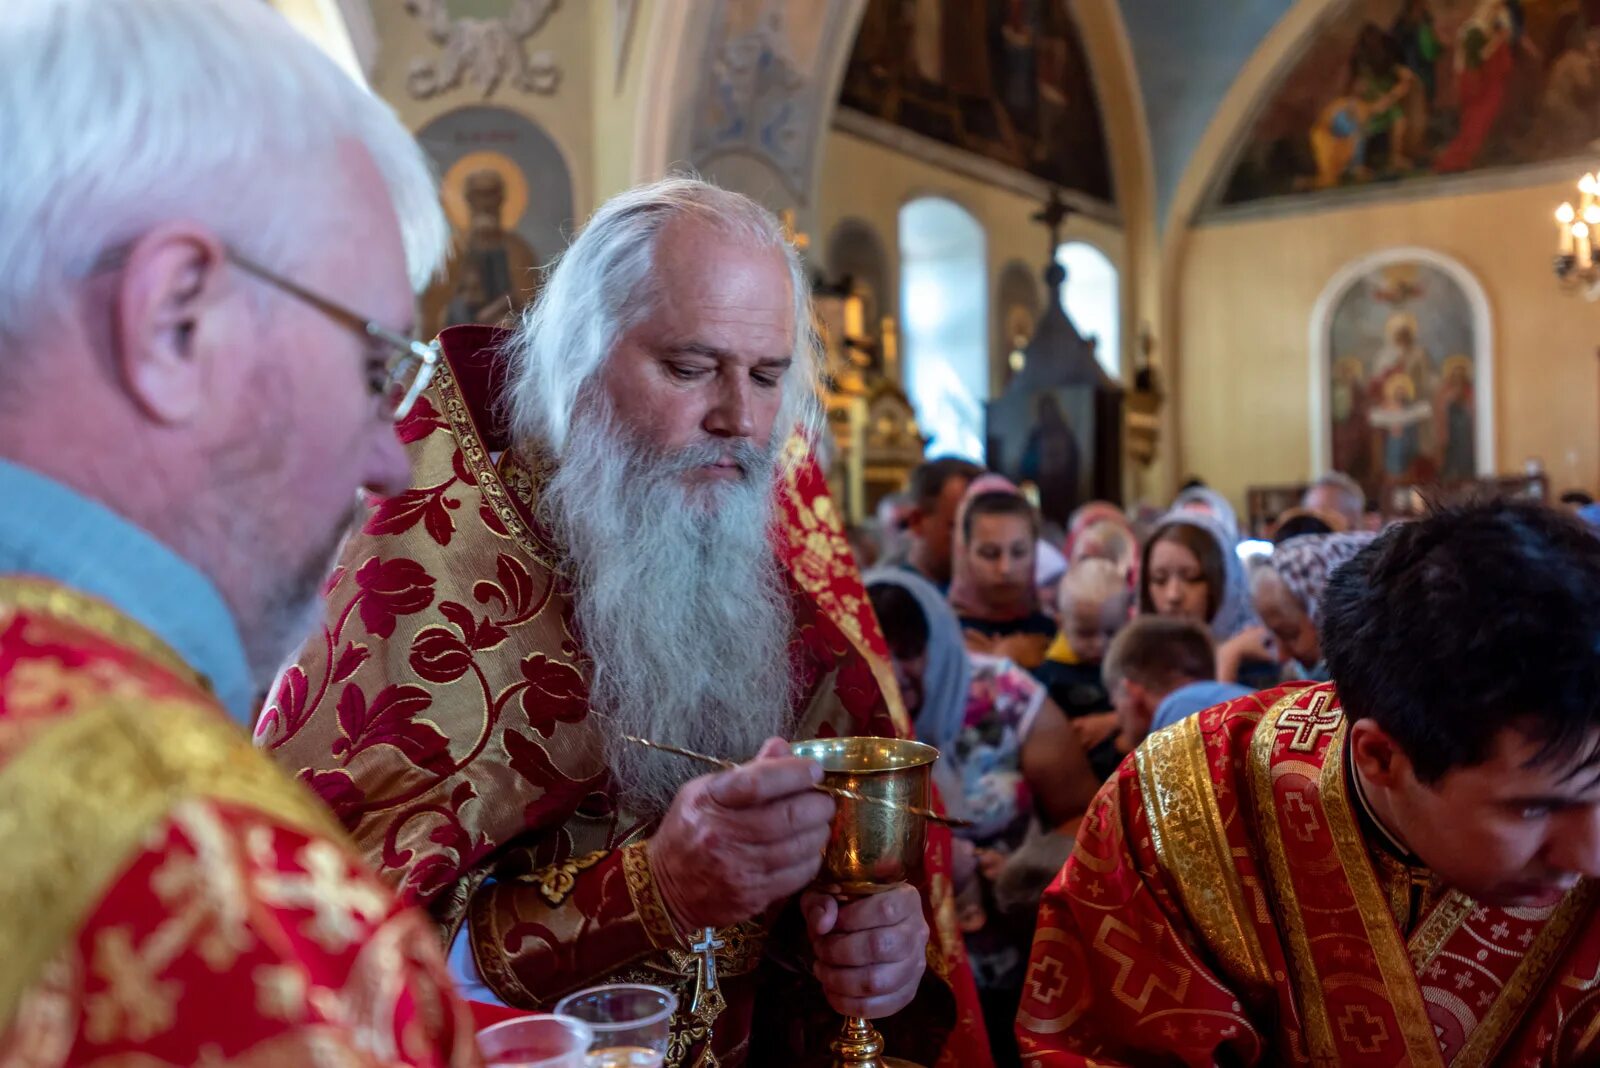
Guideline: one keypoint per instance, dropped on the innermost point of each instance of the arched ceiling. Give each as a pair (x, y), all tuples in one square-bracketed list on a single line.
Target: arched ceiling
[(1188, 53)]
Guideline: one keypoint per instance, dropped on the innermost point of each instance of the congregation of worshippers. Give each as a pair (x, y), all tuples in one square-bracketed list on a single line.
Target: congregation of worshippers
[(773, 532)]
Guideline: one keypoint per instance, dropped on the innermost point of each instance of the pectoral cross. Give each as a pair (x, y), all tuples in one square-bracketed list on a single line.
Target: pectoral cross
[(706, 948)]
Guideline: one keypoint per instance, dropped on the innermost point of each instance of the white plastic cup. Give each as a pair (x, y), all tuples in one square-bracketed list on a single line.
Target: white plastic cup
[(538, 1041)]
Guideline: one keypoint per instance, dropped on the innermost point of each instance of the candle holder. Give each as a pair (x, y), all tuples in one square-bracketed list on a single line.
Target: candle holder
[(1577, 264)]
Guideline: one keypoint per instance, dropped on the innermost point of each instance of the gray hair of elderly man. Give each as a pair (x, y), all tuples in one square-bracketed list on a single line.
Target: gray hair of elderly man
[(1354, 497), (118, 115), (605, 284)]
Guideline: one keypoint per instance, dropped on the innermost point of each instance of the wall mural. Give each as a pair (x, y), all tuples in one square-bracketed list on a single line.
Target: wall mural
[(759, 96), (1404, 367), (508, 194), (1005, 79), (1401, 90), (483, 50)]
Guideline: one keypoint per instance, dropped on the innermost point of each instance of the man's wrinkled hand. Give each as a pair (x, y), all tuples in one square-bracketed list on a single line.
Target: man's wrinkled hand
[(736, 842), (871, 953)]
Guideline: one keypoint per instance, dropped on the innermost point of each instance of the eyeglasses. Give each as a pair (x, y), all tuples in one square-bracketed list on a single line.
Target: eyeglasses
[(406, 366)]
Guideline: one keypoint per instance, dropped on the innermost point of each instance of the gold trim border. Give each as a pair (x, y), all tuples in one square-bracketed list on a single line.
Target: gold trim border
[(62, 603), (1394, 961), (1175, 780), (1440, 926), (475, 454), (1302, 966), (646, 897)]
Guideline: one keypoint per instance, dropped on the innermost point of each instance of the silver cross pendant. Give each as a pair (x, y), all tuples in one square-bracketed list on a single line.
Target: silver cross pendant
[(706, 948)]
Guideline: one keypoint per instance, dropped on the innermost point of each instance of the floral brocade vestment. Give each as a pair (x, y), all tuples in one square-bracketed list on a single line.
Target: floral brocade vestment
[(443, 715)]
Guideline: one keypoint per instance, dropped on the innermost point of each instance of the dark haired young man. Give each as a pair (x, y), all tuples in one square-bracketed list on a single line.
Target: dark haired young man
[(937, 487), (1398, 867)]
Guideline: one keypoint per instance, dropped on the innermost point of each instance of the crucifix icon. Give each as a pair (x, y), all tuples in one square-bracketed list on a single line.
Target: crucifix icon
[(706, 948)]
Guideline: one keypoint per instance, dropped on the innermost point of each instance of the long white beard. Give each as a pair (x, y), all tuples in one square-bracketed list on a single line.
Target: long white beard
[(679, 601)]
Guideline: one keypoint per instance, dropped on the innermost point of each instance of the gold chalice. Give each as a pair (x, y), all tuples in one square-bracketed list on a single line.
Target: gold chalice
[(873, 847)]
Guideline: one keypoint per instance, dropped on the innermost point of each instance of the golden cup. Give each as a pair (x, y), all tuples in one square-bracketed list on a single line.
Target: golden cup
[(872, 847)]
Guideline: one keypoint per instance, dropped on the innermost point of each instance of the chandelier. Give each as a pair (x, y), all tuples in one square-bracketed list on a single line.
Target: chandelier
[(1578, 261)]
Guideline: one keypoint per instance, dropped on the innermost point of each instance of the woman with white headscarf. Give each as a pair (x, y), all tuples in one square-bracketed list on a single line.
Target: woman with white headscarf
[(1191, 570), (1204, 501)]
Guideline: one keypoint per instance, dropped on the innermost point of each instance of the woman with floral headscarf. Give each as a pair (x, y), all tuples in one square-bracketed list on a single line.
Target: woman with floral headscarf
[(1287, 592)]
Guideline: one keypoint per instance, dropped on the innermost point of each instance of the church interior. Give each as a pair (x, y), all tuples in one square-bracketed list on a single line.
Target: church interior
[(1255, 201), (945, 532)]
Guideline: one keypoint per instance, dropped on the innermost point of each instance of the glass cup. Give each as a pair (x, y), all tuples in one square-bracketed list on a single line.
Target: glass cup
[(540, 1041), (632, 1023)]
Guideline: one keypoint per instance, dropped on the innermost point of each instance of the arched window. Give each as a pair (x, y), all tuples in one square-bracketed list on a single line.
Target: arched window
[(944, 303), (1092, 299)]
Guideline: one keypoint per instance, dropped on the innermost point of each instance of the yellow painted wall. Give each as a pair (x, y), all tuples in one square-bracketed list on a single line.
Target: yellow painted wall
[(863, 179), (1244, 315)]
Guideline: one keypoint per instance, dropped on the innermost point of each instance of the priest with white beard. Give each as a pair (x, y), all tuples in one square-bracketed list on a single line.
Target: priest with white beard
[(615, 527)]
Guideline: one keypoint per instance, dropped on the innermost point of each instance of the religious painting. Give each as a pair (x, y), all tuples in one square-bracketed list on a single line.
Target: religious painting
[(1057, 452), (508, 195), (1402, 359), (758, 101), (1004, 79), (1404, 90)]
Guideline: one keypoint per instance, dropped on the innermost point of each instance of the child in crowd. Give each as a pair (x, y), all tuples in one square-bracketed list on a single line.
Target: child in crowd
[(1159, 670), (1094, 603)]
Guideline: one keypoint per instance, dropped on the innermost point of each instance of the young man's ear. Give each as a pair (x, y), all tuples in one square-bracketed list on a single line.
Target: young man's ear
[(1378, 756)]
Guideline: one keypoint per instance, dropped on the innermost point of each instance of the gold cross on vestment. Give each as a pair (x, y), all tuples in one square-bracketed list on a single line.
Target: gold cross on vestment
[(706, 982), (1311, 723)]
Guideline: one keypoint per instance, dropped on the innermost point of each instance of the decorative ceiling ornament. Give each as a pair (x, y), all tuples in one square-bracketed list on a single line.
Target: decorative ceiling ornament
[(483, 52), (756, 98)]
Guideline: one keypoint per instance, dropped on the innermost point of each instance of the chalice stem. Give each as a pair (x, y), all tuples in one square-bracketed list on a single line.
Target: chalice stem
[(858, 1046)]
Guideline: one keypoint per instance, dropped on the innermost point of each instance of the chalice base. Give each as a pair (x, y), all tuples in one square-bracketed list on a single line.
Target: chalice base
[(860, 1046)]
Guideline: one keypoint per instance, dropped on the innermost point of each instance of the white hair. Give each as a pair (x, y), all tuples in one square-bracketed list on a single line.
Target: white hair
[(605, 284), (680, 605), (117, 115), (1355, 498)]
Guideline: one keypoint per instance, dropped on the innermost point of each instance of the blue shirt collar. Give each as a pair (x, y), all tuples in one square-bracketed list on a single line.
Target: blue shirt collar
[(49, 530)]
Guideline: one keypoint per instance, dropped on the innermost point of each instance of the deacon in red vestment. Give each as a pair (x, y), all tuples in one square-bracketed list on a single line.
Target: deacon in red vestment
[(1396, 868), (177, 356), (616, 528)]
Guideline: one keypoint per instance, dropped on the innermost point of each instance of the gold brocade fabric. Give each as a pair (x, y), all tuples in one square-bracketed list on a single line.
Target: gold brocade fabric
[(443, 715), (163, 881)]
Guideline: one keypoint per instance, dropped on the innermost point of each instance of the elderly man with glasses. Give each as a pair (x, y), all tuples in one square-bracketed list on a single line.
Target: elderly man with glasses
[(204, 301)]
